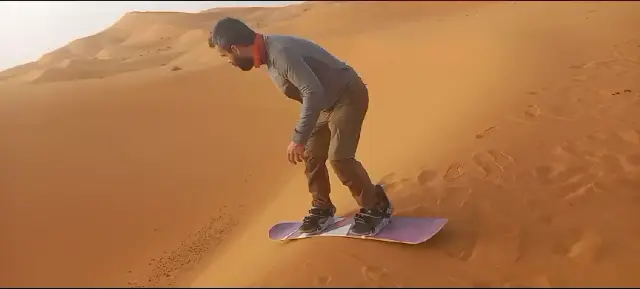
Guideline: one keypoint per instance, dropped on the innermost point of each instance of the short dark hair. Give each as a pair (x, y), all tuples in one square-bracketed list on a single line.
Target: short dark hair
[(230, 31)]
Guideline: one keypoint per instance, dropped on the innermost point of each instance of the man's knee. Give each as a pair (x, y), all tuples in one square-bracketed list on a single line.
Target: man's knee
[(344, 168), (313, 159), (341, 163)]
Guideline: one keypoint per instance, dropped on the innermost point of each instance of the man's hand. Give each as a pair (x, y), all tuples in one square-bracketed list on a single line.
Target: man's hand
[(295, 152)]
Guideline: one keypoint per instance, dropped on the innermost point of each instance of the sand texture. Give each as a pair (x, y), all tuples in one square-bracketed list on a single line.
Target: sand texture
[(137, 157)]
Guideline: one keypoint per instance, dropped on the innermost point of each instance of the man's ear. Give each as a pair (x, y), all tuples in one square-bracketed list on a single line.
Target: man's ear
[(234, 50)]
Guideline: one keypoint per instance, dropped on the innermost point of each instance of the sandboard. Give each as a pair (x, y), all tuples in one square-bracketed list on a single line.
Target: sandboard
[(407, 230)]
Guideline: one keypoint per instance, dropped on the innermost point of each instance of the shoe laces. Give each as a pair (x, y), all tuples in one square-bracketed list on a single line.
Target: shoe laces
[(315, 214), (365, 215)]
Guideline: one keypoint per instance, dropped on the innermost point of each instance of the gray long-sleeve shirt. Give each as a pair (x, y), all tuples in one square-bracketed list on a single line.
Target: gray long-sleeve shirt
[(306, 72)]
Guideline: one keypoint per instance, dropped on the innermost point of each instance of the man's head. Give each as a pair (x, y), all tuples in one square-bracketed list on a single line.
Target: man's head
[(234, 40)]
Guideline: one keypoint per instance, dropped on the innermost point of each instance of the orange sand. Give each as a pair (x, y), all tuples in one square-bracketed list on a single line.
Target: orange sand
[(122, 161)]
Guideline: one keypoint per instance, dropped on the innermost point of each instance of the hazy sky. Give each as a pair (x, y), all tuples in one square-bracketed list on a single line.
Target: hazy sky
[(29, 29)]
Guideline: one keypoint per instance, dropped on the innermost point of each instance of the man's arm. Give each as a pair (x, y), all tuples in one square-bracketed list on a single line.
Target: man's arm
[(286, 87), (291, 65)]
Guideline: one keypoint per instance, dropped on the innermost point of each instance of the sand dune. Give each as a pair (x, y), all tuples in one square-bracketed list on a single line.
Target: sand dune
[(136, 35), (518, 121)]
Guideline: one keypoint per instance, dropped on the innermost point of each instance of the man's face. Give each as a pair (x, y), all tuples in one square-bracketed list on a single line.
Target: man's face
[(236, 58)]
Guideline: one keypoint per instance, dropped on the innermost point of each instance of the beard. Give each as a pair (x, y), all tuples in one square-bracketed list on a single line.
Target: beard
[(244, 63)]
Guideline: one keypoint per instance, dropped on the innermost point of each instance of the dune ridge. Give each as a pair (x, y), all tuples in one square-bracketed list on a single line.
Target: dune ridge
[(138, 37), (515, 120)]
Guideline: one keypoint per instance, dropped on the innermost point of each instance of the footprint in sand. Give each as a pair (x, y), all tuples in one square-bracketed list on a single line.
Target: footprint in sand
[(491, 171), (426, 176), (532, 92), (587, 249), (460, 242), (505, 161), (559, 174), (322, 280), (454, 171), (575, 151), (503, 251), (392, 182), (532, 110), (581, 246), (453, 197), (485, 133), (389, 181), (580, 185), (494, 165), (373, 273), (565, 239), (608, 153), (545, 173)]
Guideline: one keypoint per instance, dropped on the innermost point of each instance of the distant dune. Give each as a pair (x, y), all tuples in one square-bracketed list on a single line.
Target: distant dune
[(137, 157), (172, 38)]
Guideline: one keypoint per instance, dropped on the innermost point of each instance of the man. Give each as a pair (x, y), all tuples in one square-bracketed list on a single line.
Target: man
[(334, 103)]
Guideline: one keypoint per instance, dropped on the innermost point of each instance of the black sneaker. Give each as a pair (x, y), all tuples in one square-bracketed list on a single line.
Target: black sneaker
[(317, 220), (370, 222), (388, 207)]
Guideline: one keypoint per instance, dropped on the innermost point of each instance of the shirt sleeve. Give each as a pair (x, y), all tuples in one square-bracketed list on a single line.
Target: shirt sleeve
[(293, 68)]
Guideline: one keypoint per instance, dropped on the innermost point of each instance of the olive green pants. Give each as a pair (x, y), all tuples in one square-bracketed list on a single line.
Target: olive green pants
[(335, 138)]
